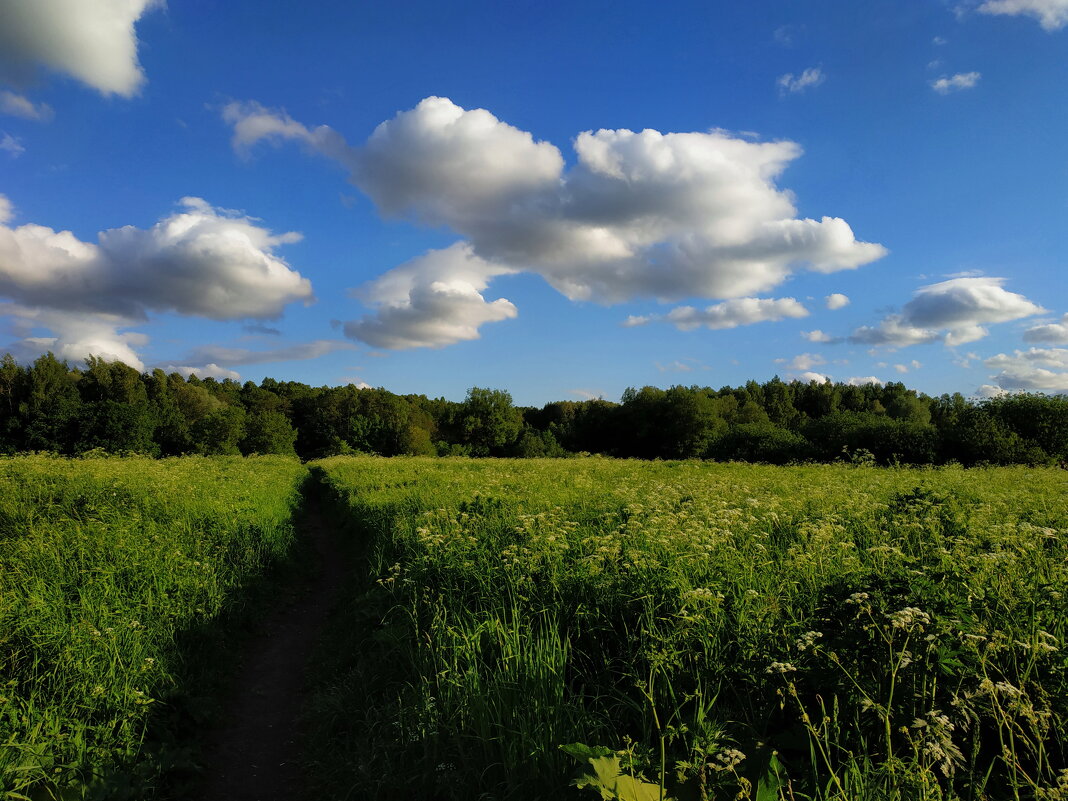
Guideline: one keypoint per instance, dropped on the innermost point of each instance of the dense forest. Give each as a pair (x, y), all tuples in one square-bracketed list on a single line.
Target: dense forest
[(107, 406)]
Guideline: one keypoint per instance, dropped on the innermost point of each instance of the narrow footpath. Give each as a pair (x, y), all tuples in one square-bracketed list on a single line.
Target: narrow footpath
[(253, 755)]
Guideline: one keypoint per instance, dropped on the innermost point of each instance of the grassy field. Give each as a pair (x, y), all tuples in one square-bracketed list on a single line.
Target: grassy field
[(697, 631), (644, 630), (112, 573)]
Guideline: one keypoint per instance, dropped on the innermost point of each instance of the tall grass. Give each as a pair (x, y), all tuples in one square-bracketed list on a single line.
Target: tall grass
[(107, 566), (704, 631)]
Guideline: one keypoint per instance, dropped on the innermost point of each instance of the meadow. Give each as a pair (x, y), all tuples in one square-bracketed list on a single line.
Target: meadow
[(115, 576), (686, 630), (518, 630)]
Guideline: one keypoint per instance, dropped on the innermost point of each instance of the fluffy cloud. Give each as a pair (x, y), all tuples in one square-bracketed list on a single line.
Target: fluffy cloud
[(1051, 333), (91, 40), (74, 336), (803, 361), (204, 371), (819, 336), (445, 165), (965, 302), (904, 368), (19, 106), (860, 381), (959, 307), (354, 381), (836, 301), (230, 357), (1051, 14), (789, 83), (254, 123), (955, 83), (639, 215), (990, 391), (1034, 370), (894, 331), (431, 301), (808, 377), (201, 261), (729, 314)]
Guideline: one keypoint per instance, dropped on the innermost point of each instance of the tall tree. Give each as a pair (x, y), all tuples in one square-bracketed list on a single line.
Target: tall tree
[(489, 422), (51, 406), (14, 386)]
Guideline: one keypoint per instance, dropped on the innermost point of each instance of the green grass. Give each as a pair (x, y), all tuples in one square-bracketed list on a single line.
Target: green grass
[(708, 630), (686, 630), (112, 571)]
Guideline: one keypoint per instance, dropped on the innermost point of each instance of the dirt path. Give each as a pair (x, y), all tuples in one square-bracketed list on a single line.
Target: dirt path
[(253, 756)]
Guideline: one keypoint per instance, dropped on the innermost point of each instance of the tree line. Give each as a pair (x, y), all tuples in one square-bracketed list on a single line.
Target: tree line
[(52, 406)]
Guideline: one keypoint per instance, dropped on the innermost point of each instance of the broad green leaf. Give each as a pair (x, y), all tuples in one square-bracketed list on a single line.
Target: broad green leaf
[(772, 781)]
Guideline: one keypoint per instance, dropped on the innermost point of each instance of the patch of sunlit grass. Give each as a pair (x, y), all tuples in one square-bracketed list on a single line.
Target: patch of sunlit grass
[(822, 631)]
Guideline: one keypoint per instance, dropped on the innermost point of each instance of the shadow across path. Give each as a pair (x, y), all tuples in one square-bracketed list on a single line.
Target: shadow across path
[(253, 754)]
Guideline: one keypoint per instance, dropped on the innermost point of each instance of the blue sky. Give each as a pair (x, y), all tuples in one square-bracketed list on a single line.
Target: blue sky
[(561, 200)]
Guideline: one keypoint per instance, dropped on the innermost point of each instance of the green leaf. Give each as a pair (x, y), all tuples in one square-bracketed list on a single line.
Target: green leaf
[(605, 771), (601, 773), (583, 752), (627, 788), (771, 781)]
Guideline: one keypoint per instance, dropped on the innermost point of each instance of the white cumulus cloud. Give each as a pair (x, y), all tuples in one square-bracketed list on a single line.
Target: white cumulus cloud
[(860, 381), (819, 336), (990, 391), (1050, 333), (792, 84), (729, 314), (904, 368), (1051, 14), (965, 302), (955, 83), (803, 361), (74, 335), (203, 371), (808, 377), (836, 301), (93, 41), (199, 261), (639, 215), (431, 301), (1033, 370), (895, 332), (954, 311)]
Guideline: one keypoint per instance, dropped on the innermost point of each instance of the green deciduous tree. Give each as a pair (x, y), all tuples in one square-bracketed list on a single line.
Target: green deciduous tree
[(489, 423)]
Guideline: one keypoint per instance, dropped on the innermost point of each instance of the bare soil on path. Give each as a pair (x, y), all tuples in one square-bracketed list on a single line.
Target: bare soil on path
[(253, 755)]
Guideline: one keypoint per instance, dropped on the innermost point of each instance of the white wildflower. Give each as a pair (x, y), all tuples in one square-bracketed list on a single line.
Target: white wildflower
[(780, 667), (728, 760), (908, 618), (808, 640)]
